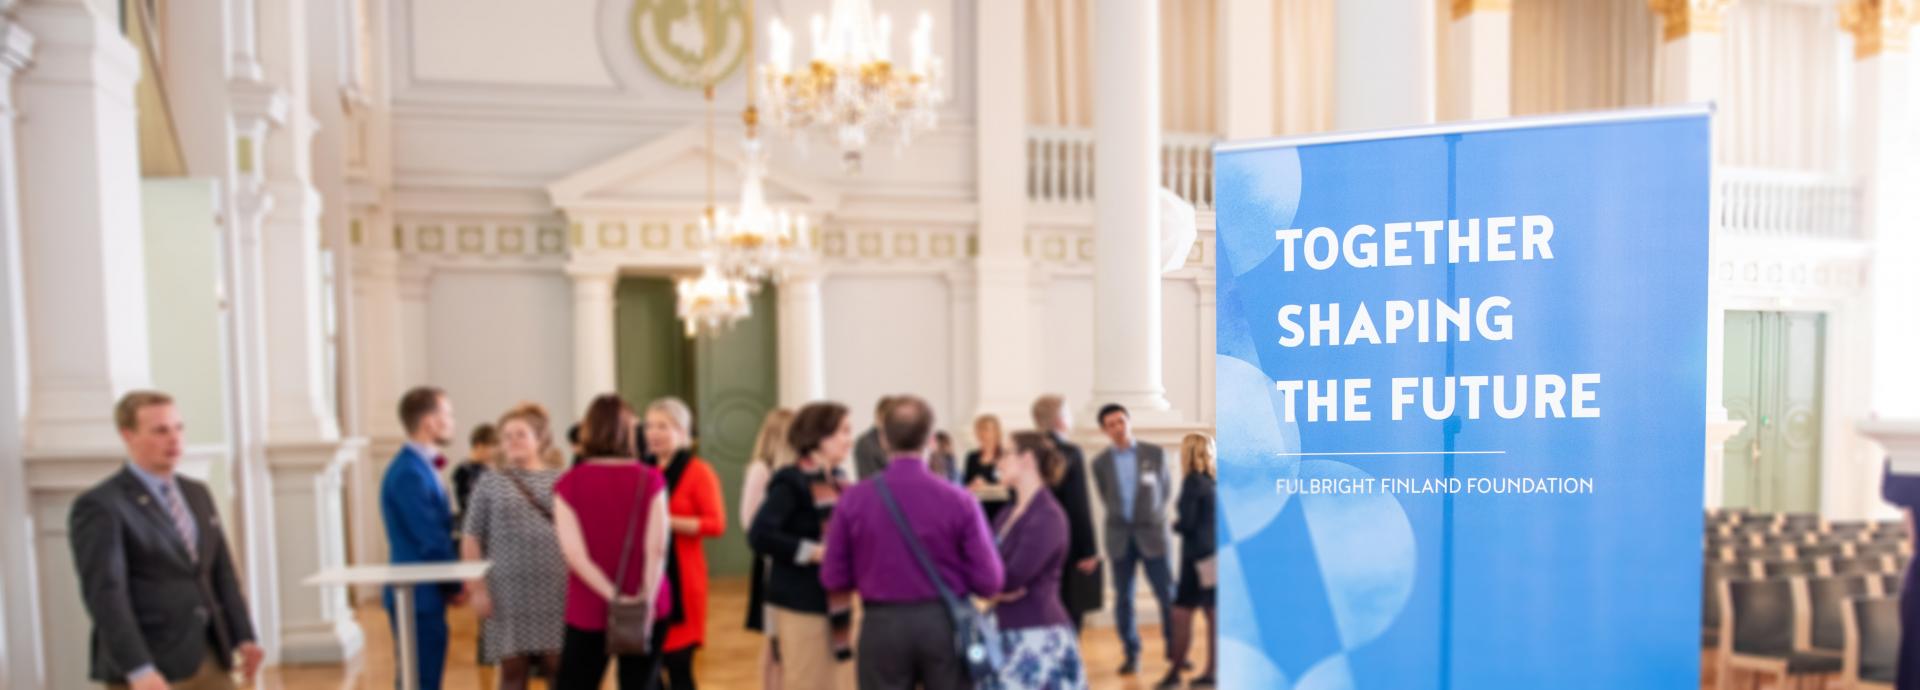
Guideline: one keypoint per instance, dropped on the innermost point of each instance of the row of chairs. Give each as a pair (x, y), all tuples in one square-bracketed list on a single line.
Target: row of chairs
[(1802, 629), (1797, 598)]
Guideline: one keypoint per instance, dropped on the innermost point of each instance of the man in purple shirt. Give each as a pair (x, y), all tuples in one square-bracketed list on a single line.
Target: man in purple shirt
[(906, 640)]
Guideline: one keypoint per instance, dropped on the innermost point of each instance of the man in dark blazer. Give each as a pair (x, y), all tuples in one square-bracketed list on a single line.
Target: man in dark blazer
[(1080, 587), (419, 522), (870, 450), (155, 572), (1135, 487)]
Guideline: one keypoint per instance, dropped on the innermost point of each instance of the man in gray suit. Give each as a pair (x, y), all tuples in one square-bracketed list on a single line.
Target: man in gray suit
[(155, 572), (870, 450), (1135, 484)]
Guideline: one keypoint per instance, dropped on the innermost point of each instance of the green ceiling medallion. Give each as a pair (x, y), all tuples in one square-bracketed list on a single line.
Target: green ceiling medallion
[(690, 43)]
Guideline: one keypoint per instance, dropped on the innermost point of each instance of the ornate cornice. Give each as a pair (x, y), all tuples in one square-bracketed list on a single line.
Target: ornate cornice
[(1878, 26), (1682, 18)]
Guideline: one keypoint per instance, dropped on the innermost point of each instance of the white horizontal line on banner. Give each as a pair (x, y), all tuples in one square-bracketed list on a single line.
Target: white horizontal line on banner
[(1404, 452)]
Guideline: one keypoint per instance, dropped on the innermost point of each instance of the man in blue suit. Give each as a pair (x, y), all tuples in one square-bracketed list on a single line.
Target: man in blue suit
[(420, 523)]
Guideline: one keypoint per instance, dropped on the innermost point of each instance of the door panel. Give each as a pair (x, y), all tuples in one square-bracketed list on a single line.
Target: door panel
[(1773, 382), (736, 385), (727, 378)]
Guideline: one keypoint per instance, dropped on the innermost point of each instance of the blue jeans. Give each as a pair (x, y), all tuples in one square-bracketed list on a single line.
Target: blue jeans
[(1160, 577)]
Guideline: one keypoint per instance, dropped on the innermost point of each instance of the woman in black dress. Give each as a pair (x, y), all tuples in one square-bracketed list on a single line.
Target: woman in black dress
[(1194, 524), (983, 467)]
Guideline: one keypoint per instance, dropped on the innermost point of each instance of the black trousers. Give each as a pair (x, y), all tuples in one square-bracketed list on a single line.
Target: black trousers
[(907, 646), (679, 666), (583, 663)]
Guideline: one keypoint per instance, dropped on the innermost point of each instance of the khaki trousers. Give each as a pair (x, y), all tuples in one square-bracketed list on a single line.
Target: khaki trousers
[(209, 677), (806, 652)]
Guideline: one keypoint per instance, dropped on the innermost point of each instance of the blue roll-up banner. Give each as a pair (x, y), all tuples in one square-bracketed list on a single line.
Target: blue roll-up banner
[(1461, 394)]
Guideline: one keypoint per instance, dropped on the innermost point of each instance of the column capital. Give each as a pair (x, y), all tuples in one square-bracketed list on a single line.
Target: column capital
[(592, 277), (1878, 26), (1462, 8), (1682, 18)]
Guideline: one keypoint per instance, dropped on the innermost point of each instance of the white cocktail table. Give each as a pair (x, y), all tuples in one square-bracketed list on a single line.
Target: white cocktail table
[(407, 574)]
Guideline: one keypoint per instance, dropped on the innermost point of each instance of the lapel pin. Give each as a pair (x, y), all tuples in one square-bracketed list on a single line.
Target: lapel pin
[(142, 500)]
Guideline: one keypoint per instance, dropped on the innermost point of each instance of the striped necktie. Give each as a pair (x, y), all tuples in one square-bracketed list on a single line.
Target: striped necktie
[(182, 520)]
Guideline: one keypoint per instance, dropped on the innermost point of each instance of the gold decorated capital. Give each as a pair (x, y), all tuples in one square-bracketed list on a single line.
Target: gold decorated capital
[(1878, 26), (1462, 8), (1682, 18)]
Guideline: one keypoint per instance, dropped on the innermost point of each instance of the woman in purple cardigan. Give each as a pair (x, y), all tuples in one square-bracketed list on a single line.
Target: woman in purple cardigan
[(1043, 651)]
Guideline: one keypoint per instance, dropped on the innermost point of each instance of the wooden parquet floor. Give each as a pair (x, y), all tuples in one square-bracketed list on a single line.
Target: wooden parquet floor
[(729, 661)]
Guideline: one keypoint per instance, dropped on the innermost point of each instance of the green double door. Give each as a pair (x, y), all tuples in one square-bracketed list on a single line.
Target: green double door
[(729, 379), (1773, 382)]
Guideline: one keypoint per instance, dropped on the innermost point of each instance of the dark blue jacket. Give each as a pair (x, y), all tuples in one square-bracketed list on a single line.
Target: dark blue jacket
[(419, 524)]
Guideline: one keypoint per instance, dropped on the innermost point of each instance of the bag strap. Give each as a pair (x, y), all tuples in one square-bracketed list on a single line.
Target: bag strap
[(527, 493), (913, 542), (633, 524)]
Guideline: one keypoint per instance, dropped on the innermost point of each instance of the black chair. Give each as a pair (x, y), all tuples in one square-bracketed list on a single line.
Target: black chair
[(1847, 528), (1890, 585), (1878, 548), (1799, 521), (1780, 569), (1758, 630), (1713, 574), (1812, 551), (1859, 565), (1826, 599), (1769, 552), (1872, 626)]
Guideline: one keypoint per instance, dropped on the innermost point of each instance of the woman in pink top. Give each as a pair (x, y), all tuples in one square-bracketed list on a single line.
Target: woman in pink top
[(595, 504)]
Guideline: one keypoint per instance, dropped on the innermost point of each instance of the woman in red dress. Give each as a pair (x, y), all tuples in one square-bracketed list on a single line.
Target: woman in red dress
[(697, 513)]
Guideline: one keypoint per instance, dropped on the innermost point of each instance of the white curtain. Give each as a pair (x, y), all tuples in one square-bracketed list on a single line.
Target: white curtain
[(1303, 68), (1781, 101), (1188, 56), (1574, 55), (1060, 63), (1061, 74)]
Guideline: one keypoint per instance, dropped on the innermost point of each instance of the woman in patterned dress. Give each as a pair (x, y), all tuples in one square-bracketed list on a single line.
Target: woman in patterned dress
[(1042, 648), (523, 597)]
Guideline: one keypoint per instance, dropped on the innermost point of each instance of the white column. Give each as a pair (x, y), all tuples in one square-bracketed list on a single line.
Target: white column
[(803, 372), (86, 313), (1245, 60), (1005, 381), (593, 357), (297, 407), (1479, 66), (20, 650), (1126, 279), (305, 454), (1687, 68), (1383, 72), (1884, 147), (80, 207)]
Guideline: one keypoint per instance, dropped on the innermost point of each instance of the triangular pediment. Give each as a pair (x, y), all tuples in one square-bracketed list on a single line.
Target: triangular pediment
[(671, 172)]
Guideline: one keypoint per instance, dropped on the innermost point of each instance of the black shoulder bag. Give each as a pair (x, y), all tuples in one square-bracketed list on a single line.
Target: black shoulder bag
[(976, 636)]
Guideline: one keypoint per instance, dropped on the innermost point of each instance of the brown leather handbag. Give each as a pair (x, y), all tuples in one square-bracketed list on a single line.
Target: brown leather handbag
[(630, 623)]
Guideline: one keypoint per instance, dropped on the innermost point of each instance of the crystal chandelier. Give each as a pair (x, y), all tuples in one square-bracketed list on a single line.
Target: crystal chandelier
[(751, 240), (712, 301), (716, 299), (851, 88)]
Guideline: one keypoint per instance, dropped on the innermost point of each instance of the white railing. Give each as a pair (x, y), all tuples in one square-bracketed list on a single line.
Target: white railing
[(1788, 204), (1060, 166)]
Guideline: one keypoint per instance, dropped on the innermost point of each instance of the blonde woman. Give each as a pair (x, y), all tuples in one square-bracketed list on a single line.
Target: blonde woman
[(982, 477), (1194, 524), (522, 601), (698, 513), (770, 453)]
